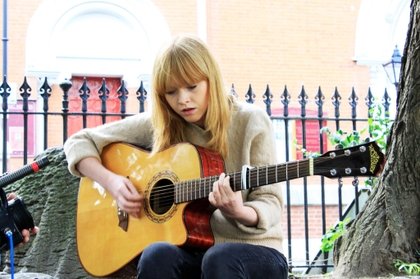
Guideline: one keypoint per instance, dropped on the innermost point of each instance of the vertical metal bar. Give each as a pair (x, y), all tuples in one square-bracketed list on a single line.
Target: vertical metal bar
[(336, 100), (233, 91), (285, 99), (122, 96), (5, 93), (5, 38), (250, 96), (353, 100), (319, 101), (141, 96), (103, 94), (65, 86), (267, 99), (369, 101), (45, 92), (386, 102), (84, 93), (303, 100), (25, 90)]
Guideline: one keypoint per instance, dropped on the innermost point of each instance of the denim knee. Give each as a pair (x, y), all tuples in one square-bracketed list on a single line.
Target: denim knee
[(158, 254)]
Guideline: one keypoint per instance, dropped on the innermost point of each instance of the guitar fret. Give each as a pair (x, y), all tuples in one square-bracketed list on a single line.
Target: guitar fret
[(197, 189), (207, 188), (258, 177), (266, 174), (277, 177), (186, 191), (234, 182), (311, 166), (249, 178)]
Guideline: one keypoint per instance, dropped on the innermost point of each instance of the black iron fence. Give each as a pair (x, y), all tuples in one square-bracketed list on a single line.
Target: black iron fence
[(33, 122)]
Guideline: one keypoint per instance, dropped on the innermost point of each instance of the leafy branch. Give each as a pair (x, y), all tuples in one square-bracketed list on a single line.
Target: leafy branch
[(407, 268)]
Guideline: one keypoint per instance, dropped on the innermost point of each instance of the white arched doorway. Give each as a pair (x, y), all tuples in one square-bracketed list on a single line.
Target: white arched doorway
[(107, 37), (102, 38)]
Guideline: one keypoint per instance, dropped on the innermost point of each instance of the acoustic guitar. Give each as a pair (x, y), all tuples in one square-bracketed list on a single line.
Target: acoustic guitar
[(176, 183)]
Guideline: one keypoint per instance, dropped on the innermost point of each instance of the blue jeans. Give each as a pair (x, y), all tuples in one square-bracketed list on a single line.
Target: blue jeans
[(229, 260)]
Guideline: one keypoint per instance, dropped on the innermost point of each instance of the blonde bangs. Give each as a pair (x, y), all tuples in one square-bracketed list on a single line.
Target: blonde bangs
[(179, 69)]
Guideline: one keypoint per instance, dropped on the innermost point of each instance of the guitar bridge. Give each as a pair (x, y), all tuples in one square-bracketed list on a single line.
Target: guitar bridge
[(122, 219)]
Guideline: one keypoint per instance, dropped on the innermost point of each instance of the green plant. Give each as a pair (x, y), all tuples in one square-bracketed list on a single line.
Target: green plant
[(407, 268), (328, 240), (379, 126), (378, 129)]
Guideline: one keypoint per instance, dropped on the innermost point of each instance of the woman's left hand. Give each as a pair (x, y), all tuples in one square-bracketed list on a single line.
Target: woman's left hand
[(230, 203), (223, 197)]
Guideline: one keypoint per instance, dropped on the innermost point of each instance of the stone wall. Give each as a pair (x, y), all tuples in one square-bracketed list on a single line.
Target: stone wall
[(51, 197)]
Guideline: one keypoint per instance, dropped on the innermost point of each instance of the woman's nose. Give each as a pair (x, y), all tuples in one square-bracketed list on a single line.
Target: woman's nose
[(183, 96)]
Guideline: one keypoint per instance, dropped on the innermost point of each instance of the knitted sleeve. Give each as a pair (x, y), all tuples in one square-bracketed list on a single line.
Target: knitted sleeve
[(89, 142), (252, 143), (265, 200)]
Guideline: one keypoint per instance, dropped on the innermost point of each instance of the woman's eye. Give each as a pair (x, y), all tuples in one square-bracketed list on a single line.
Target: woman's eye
[(170, 92), (191, 87)]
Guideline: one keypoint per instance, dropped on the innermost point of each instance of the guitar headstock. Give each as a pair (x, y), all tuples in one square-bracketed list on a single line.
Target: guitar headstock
[(360, 160)]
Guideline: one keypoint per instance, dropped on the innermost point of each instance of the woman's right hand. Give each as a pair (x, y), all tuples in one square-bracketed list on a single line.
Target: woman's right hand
[(122, 190), (125, 193)]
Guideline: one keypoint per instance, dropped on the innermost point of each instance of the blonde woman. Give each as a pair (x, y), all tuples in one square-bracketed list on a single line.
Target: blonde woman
[(190, 104)]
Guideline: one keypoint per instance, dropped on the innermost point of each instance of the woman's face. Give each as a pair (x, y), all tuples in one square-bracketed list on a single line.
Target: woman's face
[(189, 101)]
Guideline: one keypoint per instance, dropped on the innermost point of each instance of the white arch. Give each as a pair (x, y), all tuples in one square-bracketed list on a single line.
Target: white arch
[(381, 25), (107, 37)]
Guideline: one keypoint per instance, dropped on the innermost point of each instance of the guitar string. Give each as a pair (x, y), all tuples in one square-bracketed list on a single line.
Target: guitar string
[(165, 193), (280, 169), (254, 176), (184, 186), (167, 196)]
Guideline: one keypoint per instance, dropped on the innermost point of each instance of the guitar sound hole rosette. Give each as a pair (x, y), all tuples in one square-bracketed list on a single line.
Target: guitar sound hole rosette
[(160, 197)]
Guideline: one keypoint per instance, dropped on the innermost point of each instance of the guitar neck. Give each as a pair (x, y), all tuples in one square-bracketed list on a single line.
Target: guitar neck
[(249, 177), (360, 160)]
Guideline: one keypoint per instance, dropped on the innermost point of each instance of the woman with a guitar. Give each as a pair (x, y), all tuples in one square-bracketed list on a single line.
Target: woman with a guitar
[(227, 234)]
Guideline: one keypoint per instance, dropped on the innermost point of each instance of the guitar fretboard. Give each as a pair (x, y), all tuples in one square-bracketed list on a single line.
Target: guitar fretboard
[(249, 178)]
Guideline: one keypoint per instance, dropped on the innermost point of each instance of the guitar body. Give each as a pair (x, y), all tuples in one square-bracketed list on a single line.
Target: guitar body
[(108, 239)]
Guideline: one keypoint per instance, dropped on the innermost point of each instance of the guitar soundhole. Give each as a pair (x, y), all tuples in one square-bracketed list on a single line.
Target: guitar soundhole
[(162, 197)]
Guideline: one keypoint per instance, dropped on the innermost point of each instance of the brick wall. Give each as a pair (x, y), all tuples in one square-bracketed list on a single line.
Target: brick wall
[(314, 220)]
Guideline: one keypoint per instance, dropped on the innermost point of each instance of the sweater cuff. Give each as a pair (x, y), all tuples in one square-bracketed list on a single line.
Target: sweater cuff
[(75, 153), (262, 213)]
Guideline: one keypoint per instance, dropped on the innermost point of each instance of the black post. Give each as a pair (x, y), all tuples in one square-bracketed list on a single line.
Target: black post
[(4, 39), (65, 86)]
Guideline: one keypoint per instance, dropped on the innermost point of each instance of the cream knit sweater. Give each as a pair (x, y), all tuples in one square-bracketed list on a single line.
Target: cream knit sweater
[(251, 142)]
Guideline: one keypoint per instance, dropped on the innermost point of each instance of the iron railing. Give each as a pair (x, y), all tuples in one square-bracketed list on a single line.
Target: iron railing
[(283, 110)]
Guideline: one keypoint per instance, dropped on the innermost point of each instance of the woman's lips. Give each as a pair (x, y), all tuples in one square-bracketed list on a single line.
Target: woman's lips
[(188, 111)]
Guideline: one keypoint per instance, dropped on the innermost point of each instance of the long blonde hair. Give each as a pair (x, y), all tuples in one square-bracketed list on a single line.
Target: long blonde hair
[(186, 61)]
